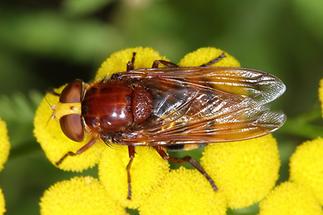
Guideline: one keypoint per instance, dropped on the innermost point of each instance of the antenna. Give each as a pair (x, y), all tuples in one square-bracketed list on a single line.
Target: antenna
[(53, 108)]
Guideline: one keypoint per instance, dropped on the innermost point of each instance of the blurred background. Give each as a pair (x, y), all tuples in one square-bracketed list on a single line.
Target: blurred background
[(44, 44)]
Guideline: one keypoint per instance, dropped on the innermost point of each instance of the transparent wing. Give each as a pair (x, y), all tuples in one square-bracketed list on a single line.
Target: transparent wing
[(260, 86), (189, 108)]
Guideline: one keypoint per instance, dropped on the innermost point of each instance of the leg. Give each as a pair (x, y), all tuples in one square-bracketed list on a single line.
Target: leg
[(215, 60), (131, 64), (80, 151), (131, 151), (156, 63), (190, 160)]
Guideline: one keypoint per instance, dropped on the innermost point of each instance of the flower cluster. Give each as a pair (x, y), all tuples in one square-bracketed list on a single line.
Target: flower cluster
[(4, 153), (303, 193), (245, 171)]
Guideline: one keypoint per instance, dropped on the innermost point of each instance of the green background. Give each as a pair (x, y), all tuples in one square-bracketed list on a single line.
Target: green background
[(44, 44)]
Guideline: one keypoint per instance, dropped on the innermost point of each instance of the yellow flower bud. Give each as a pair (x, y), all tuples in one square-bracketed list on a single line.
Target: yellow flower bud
[(2, 203), (79, 195), (4, 144), (184, 192), (245, 171), (306, 167), (290, 199), (147, 171)]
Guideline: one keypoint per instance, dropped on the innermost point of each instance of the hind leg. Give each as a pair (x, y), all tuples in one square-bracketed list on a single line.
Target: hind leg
[(187, 159)]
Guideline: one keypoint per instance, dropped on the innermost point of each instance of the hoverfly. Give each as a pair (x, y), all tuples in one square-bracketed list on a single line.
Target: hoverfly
[(170, 107)]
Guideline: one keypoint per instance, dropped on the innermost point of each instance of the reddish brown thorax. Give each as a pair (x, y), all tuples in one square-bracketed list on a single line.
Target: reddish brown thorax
[(115, 105)]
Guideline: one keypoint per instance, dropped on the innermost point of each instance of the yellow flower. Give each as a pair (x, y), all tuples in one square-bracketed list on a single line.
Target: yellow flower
[(79, 195), (321, 95), (147, 171), (290, 199), (55, 144), (4, 144), (306, 167), (244, 171), (2, 203), (184, 192)]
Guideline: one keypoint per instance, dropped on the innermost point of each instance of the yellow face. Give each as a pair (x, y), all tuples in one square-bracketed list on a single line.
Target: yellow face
[(62, 109)]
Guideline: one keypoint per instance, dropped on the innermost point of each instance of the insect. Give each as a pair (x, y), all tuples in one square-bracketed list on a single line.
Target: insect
[(170, 107)]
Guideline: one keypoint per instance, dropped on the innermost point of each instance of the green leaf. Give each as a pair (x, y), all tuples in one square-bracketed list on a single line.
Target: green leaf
[(19, 108), (18, 112), (251, 210)]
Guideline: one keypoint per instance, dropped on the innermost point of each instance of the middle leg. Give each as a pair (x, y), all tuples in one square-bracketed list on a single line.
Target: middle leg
[(131, 64)]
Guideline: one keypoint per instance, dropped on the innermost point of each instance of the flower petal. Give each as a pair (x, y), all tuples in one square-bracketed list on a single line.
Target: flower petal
[(79, 195), (245, 170)]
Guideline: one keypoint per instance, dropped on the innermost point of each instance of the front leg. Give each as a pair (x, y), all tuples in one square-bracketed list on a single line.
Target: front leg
[(166, 63), (78, 152), (131, 64), (131, 151), (214, 61)]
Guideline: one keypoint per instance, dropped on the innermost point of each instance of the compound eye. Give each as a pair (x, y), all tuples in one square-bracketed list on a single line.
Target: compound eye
[(72, 127), (72, 93)]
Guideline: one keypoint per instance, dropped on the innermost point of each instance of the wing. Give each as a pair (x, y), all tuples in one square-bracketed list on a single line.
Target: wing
[(260, 86), (205, 105)]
